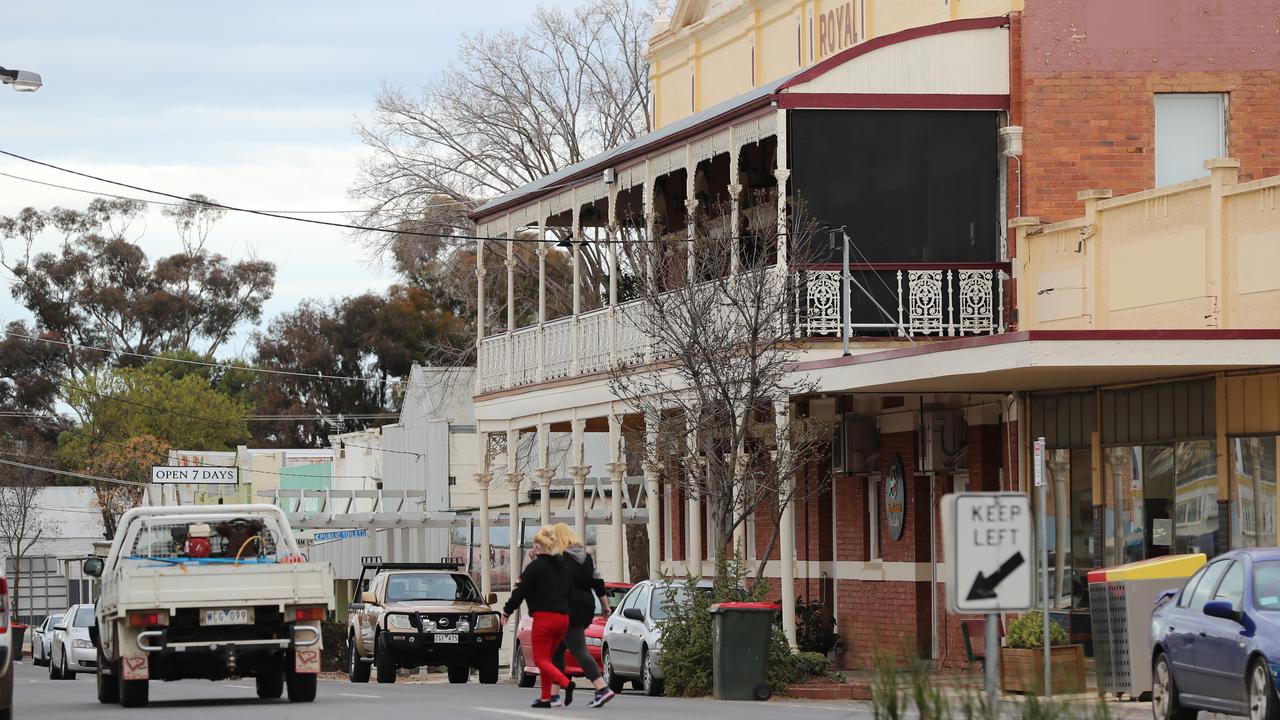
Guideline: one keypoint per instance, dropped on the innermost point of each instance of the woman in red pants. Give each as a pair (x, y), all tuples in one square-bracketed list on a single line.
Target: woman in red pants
[(544, 587)]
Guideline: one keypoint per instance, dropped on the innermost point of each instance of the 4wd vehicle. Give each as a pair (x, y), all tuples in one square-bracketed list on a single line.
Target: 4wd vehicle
[(214, 592), (415, 614)]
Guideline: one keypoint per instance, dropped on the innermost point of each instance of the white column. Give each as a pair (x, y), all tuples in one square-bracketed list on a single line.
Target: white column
[(480, 371), (575, 248), (614, 237), (405, 540), (511, 302), (690, 208), (579, 472), (653, 503), (545, 472), (482, 481), (513, 481), (787, 534), (542, 293), (617, 468), (740, 532), (693, 505), (781, 173)]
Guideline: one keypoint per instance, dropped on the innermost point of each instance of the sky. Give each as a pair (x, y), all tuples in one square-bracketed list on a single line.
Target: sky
[(251, 103)]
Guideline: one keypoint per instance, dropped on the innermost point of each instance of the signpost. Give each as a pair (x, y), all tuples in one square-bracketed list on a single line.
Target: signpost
[(987, 540), (1037, 450)]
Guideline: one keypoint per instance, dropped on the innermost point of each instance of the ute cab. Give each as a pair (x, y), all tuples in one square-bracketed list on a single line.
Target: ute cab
[(410, 615)]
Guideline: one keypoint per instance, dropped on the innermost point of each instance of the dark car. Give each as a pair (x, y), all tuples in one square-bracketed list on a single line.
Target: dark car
[(1216, 642)]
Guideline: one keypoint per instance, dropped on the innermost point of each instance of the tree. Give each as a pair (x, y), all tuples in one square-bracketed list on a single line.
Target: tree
[(513, 108), (100, 289), (131, 416), (23, 523), (727, 350)]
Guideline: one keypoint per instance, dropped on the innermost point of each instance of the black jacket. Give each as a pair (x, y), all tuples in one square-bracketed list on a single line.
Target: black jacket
[(586, 584), (544, 586)]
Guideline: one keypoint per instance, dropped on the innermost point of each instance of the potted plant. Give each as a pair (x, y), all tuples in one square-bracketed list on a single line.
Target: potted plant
[(1022, 658), (815, 632)]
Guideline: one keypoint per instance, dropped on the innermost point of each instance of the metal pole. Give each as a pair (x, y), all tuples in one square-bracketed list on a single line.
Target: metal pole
[(847, 326), (1044, 558), (991, 663)]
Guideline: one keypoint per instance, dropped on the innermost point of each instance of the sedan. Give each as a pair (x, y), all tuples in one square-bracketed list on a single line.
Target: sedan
[(527, 672), (1216, 642), (70, 649), (40, 638), (632, 635)]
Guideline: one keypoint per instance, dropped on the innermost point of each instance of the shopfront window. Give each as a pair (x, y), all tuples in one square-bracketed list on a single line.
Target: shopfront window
[(1160, 499), (1122, 488), (1068, 509), (1253, 491)]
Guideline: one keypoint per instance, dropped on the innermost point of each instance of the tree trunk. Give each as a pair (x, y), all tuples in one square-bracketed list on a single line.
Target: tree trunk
[(637, 552)]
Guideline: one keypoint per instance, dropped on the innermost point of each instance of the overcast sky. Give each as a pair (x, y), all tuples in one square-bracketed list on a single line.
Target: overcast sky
[(251, 103)]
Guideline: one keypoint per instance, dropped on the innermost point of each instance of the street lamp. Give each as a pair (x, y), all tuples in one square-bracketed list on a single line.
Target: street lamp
[(21, 80)]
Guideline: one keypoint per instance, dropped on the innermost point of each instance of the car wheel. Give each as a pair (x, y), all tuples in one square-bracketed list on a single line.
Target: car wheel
[(270, 684), (1165, 702), (652, 685), (458, 674), (1262, 694), (357, 668), (611, 678), (108, 690), (66, 673), (523, 679), (55, 670), (488, 670), (382, 658), (302, 686)]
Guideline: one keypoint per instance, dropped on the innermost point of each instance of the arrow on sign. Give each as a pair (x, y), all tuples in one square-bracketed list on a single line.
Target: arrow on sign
[(984, 587)]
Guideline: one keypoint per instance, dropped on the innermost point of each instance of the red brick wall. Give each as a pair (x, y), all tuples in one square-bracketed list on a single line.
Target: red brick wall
[(1089, 73)]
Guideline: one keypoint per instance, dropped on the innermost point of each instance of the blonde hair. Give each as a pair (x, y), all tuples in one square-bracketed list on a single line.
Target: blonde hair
[(565, 537), (545, 538)]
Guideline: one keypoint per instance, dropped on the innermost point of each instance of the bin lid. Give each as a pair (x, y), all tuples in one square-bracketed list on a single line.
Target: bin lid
[(748, 606), (1168, 566)]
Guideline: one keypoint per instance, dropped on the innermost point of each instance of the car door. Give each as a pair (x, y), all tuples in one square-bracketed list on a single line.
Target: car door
[(1222, 648), (625, 650), (58, 647), (1190, 632)]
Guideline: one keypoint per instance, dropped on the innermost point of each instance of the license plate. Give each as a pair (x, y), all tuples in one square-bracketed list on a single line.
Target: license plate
[(240, 616), (447, 639)]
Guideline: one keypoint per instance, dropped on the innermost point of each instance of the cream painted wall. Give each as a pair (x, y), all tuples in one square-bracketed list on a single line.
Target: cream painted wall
[(788, 35)]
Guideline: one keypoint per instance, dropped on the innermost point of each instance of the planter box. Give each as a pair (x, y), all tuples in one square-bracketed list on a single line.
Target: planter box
[(1022, 671)]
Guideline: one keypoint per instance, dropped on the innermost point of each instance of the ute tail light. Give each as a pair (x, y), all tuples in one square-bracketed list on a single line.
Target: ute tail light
[(148, 618), (307, 614)]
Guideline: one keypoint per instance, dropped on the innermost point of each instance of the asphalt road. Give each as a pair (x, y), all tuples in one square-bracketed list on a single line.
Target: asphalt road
[(36, 696)]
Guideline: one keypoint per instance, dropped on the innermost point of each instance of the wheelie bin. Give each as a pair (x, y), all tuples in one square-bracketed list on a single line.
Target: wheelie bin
[(741, 632)]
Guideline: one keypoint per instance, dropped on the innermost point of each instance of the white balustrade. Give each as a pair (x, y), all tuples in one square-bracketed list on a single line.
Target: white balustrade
[(631, 339), (524, 356), (593, 341), (558, 346)]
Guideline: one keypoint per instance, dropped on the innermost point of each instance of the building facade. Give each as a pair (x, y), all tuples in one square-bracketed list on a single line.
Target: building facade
[(1064, 220)]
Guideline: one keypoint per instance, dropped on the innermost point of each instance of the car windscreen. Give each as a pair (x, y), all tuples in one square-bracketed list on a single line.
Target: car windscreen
[(411, 587), (84, 617), (663, 598), (207, 537), (1266, 585)]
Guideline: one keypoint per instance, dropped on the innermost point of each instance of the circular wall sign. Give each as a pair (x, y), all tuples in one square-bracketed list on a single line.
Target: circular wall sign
[(895, 497)]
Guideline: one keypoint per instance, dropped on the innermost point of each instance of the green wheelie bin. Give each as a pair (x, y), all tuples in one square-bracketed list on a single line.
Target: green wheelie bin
[(740, 649)]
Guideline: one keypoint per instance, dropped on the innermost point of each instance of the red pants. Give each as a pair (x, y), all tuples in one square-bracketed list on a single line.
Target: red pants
[(548, 631)]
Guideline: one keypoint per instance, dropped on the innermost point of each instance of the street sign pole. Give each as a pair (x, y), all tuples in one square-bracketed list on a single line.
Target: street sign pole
[(1042, 494), (991, 663)]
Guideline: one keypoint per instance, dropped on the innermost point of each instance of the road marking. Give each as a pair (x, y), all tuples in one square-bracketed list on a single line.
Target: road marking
[(376, 697), (241, 687)]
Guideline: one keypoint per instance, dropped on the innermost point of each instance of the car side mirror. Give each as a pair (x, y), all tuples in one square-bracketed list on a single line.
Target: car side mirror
[(368, 598), (1221, 609), (93, 567), (491, 599), (60, 627), (633, 614)]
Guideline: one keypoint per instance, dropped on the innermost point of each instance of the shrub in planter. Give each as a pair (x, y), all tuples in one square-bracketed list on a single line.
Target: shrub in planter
[(814, 632), (1022, 658)]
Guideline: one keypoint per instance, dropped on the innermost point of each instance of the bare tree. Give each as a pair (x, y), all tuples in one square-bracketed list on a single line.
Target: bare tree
[(513, 108), (723, 350), (23, 523)]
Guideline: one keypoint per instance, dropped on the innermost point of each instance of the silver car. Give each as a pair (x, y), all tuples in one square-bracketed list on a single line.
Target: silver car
[(70, 649), (632, 637), (40, 637)]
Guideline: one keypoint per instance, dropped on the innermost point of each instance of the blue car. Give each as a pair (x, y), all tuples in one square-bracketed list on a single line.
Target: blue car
[(1216, 642)]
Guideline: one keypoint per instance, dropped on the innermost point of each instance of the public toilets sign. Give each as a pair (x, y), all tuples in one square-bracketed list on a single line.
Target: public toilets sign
[(169, 475), (988, 552)]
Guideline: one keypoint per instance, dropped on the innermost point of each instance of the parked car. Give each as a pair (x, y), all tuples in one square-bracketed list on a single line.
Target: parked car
[(40, 637), (1216, 642), (632, 637), (71, 650), (528, 672), (6, 652), (416, 614)]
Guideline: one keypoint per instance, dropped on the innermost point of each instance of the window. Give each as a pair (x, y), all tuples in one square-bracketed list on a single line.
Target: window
[(873, 519), (453, 481), (1266, 585), (1184, 598), (630, 600), (431, 586), (1208, 582), (1253, 491), (1190, 128), (1231, 588), (84, 617)]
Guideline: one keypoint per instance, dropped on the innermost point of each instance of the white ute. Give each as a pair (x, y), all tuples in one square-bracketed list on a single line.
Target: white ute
[(212, 592)]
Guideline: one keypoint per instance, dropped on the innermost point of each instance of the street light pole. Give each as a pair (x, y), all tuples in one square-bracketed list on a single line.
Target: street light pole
[(21, 80)]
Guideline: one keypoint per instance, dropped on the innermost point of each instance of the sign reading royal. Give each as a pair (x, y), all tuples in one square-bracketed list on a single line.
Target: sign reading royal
[(167, 475)]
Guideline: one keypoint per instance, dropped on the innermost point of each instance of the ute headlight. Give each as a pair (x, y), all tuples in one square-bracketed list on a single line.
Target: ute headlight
[(487, 622), (464, 626), (81, 644), (405, 623)]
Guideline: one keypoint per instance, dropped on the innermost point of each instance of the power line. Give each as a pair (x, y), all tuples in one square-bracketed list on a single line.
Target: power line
[(68, 473)]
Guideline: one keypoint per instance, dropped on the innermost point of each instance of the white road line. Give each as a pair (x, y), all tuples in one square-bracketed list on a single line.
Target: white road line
[(241, 687), (376, 697), (514, 713)]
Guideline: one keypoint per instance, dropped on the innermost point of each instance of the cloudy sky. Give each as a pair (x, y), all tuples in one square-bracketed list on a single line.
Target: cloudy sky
[(251, 103)]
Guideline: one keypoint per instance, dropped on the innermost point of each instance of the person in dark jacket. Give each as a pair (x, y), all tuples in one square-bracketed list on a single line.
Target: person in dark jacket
[(544, 588), (585, 586)]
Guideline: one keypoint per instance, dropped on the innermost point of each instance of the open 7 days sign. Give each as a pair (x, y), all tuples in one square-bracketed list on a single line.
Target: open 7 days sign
[(988, 553), (166, 475)]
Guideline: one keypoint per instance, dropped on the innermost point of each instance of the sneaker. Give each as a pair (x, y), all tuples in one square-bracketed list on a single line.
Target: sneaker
[(568, 693), (602, 697), (554, 702)]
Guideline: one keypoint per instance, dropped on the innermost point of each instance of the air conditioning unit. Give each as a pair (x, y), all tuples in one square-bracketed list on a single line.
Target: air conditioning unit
[(856, 441), (942, 440)]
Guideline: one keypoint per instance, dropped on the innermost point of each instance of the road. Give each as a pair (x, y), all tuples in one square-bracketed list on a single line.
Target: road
[(36, 696)]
